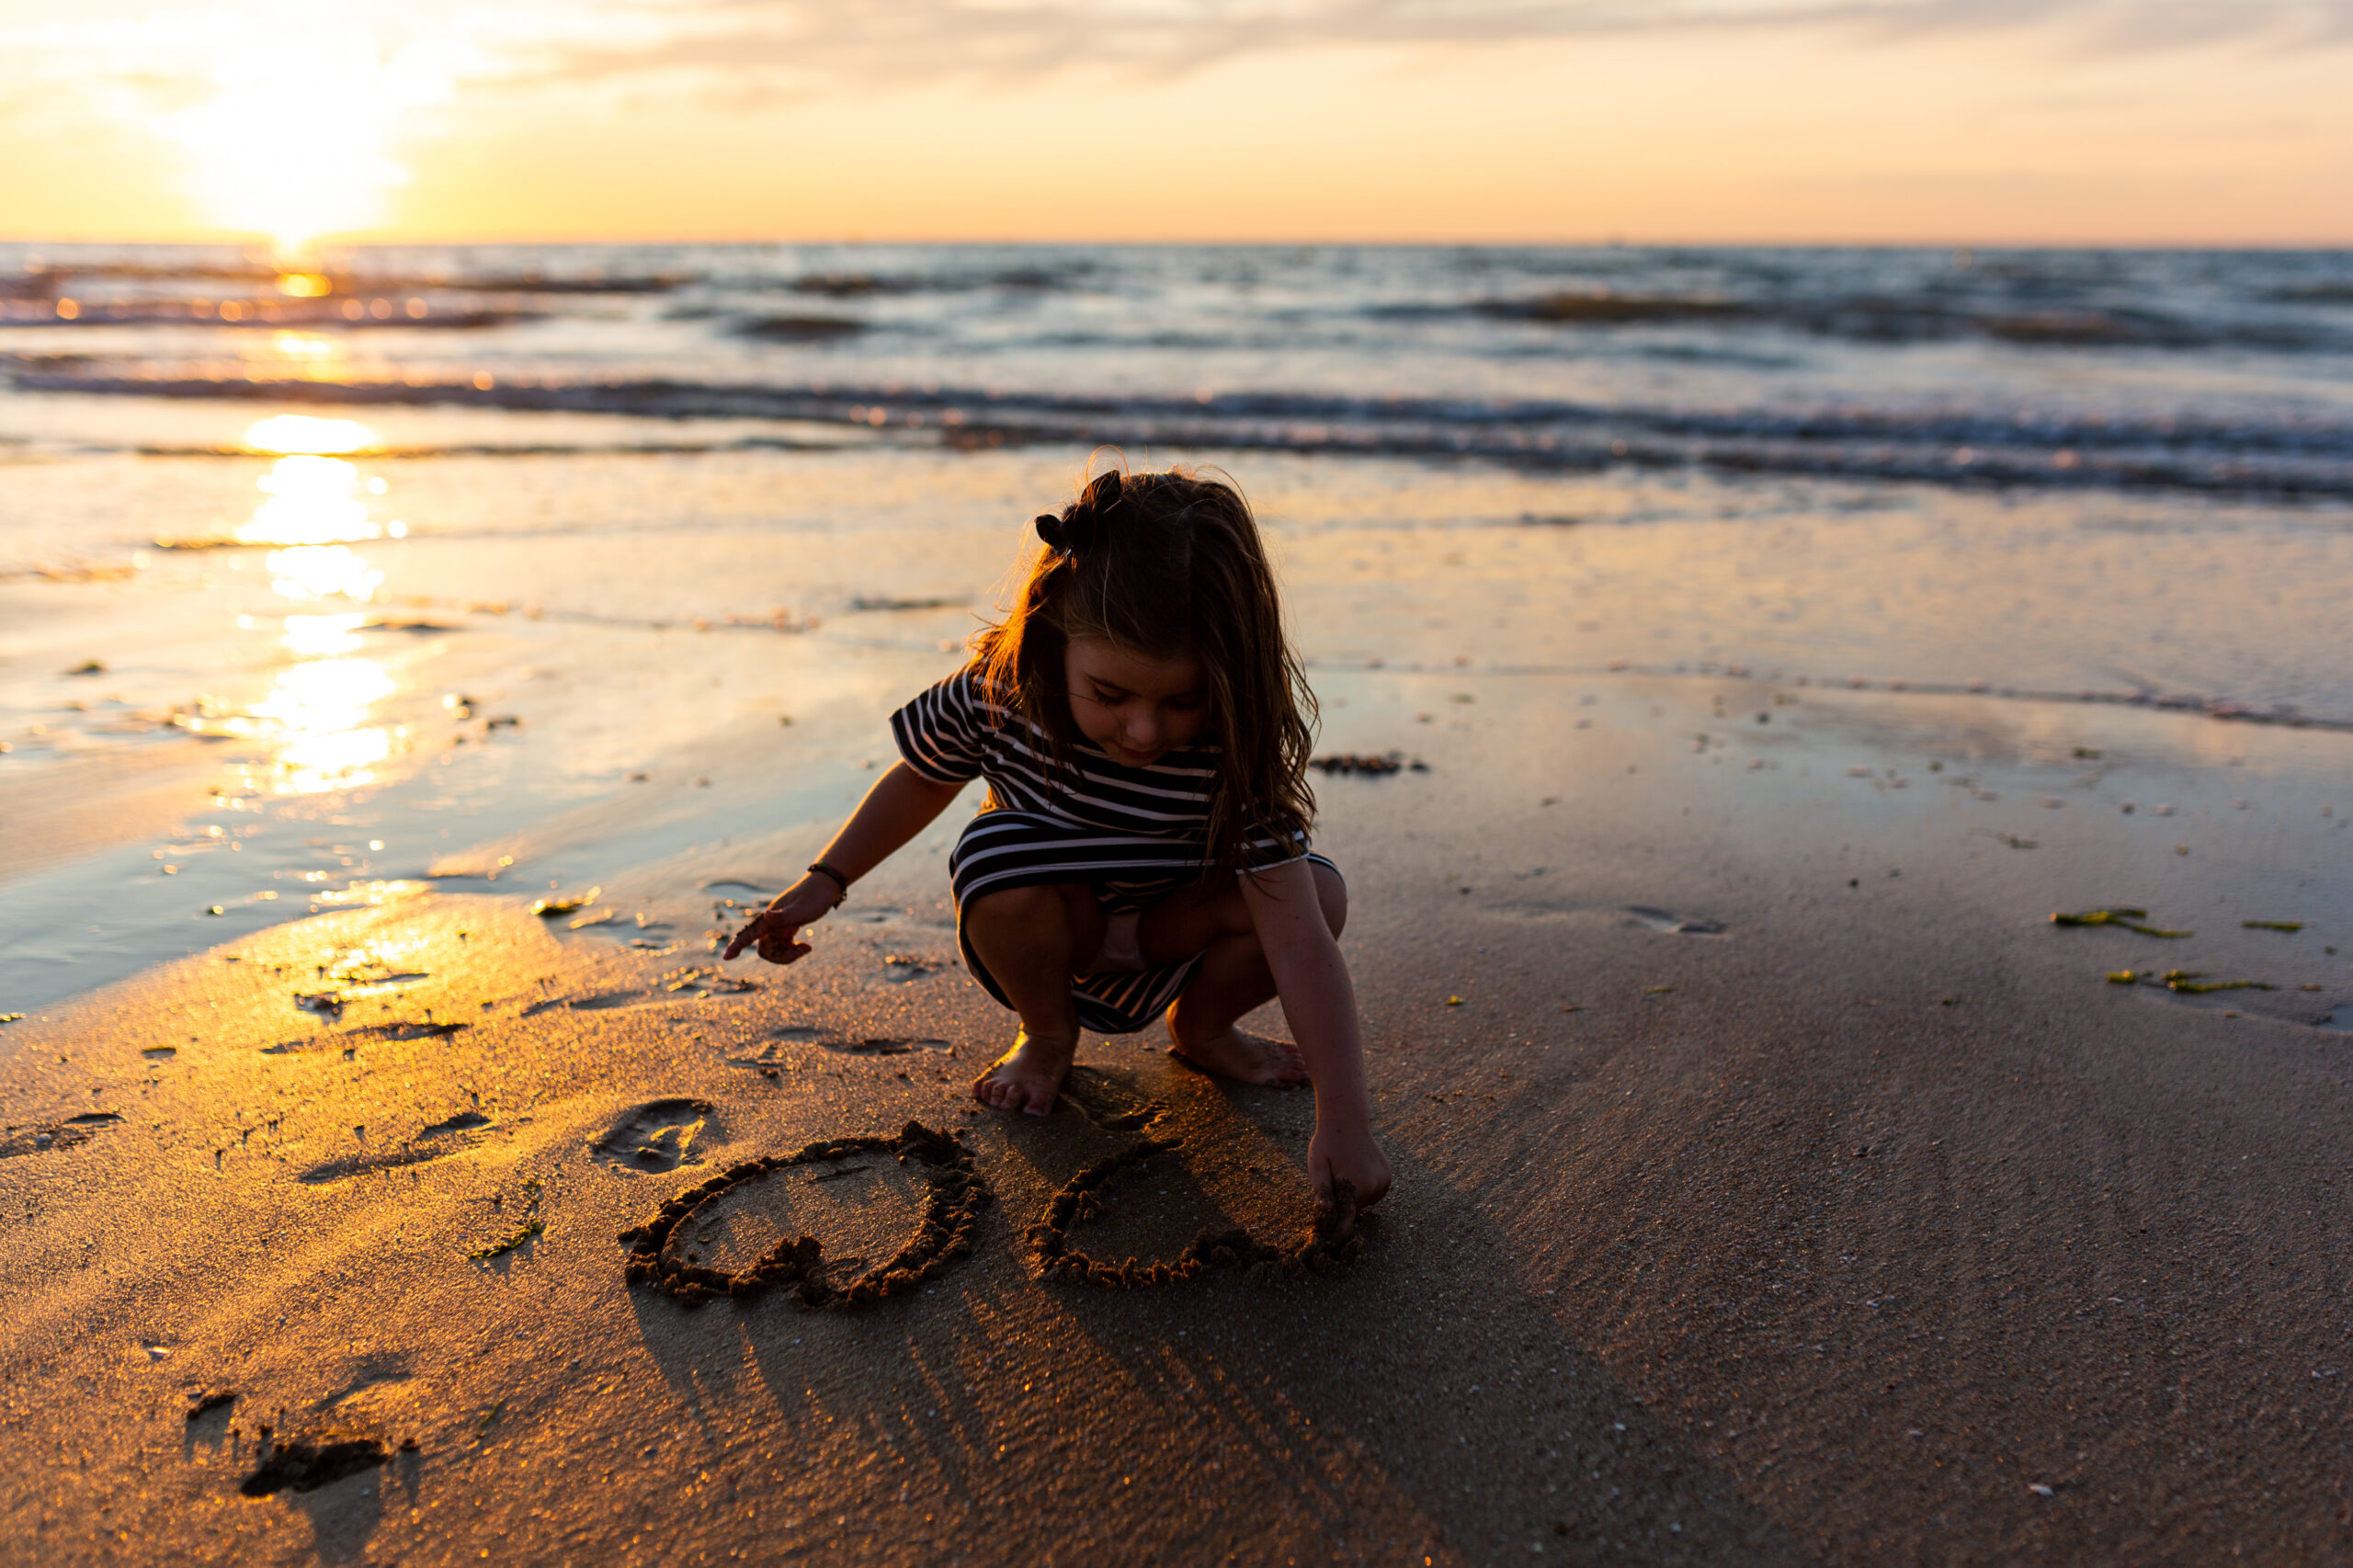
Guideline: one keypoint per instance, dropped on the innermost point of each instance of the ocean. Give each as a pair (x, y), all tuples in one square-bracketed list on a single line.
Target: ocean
[(404, 553)]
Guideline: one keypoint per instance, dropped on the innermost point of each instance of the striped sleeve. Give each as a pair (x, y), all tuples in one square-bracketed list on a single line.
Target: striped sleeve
[(1264, 849), (943, 733)]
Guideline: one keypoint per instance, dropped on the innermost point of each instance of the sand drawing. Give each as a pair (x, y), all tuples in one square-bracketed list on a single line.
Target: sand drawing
[(952, 1204), (1329, 1245), (951, 1208)]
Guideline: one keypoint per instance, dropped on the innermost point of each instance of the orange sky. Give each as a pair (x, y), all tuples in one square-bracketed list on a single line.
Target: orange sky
[(2104, 121)]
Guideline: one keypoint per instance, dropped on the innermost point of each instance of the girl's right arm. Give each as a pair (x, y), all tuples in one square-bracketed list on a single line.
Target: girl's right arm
[(902, 804)]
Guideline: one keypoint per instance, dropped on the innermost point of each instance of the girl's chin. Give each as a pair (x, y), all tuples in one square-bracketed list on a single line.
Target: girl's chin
[(1127, 758)]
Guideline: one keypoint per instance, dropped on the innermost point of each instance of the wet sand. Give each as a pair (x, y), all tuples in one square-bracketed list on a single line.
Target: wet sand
[(1775, 1183)]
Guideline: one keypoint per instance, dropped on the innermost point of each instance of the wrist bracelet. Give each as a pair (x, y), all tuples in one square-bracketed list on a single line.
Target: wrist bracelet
[(824, 871)]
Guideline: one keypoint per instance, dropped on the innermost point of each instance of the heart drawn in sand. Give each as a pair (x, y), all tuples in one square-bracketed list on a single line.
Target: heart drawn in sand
[(951, 1209)]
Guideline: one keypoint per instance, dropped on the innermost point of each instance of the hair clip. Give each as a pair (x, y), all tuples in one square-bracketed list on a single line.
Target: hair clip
[(1106, 492)]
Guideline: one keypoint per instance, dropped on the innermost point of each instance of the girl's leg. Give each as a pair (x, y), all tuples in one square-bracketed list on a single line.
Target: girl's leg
[(1032, 941), (1232, 980)]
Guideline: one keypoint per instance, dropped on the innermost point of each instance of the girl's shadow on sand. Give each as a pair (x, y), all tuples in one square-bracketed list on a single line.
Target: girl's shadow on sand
[(1423, 1404)]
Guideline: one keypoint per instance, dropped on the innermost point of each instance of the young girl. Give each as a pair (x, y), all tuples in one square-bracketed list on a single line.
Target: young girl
[(1144, 729)]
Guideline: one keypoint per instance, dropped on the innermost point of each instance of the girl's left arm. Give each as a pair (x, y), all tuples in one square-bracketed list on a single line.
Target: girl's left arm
[(1312, 979)]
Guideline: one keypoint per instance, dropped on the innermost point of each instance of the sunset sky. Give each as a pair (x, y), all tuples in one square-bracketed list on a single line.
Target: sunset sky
[(1977, 121)]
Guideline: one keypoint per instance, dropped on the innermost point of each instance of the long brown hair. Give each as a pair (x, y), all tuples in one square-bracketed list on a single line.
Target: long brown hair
[(1168, 565)]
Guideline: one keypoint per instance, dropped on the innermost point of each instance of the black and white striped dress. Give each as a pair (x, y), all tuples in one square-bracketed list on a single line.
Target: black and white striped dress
[(1136, 834)]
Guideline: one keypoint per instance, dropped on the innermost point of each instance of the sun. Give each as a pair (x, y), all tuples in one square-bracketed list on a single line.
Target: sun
[(296, 137)]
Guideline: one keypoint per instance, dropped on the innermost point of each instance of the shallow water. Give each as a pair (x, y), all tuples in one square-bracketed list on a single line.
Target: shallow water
[(405, 604)]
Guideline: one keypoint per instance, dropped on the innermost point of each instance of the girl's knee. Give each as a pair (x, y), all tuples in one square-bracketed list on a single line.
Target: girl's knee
[(1024, 907)]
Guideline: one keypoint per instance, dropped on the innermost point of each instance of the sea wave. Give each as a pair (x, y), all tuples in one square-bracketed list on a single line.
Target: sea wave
[(2285, 458)]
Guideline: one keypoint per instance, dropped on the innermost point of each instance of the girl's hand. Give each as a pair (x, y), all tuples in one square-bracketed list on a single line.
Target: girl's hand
[(772, 932), (1347, 1154)]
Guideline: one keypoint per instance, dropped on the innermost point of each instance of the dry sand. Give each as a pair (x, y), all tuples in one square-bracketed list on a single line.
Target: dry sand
[(1872, 1227)]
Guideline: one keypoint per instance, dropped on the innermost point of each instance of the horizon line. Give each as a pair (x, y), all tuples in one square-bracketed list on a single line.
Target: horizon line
[(262, 242)]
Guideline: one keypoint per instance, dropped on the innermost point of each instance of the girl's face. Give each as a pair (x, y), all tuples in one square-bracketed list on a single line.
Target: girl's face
[(1136, 707)]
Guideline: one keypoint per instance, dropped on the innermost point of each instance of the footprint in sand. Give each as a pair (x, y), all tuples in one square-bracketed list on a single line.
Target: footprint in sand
[(1107, 1103), (678, 986), (436, 1141), (769, 1059), (64, 1134), (374, 1034), (878, 1046), (656, 1136), (300, 1464), (1668, 923)]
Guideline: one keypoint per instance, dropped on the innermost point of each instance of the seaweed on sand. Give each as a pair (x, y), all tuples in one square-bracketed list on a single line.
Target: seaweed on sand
[(2188, 982), (523, 1233), (2185, 982), (551, 908), (951, 1209), (2129, 918), (1367, 765)]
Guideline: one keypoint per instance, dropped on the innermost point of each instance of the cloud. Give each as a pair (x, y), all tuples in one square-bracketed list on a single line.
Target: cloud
[(879, 43)]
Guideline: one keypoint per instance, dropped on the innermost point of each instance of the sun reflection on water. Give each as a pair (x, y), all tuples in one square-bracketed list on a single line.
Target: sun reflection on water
[(320, 709), (318, 636), (318, 716), (305, 347), (307, 433), (323, 571), (313, 500)]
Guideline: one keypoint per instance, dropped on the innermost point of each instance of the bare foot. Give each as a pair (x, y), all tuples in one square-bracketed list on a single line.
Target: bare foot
[(1244, 1057), (1027, 1078)]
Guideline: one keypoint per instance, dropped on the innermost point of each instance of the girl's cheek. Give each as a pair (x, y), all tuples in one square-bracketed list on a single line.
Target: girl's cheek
[(1095, 721)]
